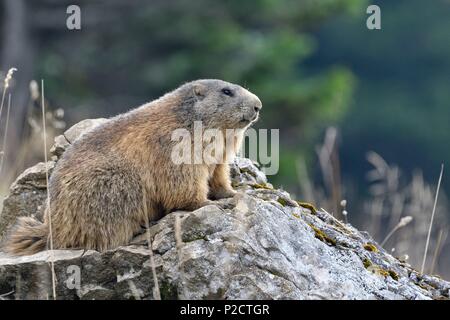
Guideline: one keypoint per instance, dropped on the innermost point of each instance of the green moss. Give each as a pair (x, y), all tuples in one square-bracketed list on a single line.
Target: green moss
[(282, 201), (261, 186), (424, 286), (383, 272), (322, 236), (367, 263), (379, 270), (393, 275), (308, 206), (370, 247), (235, 184), (296, 215)]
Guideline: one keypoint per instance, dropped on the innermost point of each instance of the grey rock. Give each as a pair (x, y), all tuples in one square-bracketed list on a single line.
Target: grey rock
[(261, 244), (82, 127), (74, 133), (60, 146), (244, 171), (26, 196)]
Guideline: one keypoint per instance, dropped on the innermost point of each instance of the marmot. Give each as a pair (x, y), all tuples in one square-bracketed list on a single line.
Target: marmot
[(116, 178)]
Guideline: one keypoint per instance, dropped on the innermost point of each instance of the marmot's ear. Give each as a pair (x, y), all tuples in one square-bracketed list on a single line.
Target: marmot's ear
[(199, 91)]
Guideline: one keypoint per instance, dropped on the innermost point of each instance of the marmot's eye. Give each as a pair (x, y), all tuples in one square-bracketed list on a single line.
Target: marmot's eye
[(228, 92)]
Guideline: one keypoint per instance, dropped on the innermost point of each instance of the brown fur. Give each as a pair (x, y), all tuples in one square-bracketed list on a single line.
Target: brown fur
[(114, 179)]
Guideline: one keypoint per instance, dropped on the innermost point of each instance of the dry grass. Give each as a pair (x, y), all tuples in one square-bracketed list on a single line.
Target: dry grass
[(180, 246), (29, 152), (432, 219), (5, 136), (402, 223), (48, 207), (395, 210), (328, 157), (6, 82), (156, 293)]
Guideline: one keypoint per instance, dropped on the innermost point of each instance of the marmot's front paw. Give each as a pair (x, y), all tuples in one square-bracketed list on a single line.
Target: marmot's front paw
[(222, 194)]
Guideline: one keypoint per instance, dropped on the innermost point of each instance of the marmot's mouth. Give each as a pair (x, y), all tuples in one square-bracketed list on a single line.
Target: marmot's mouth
[(244, 120)]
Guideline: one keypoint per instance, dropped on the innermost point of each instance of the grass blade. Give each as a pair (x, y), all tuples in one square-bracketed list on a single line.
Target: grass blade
[(432, 218)]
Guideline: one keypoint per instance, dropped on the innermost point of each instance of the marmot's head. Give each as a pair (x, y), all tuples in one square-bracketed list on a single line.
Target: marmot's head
[(222, 105)]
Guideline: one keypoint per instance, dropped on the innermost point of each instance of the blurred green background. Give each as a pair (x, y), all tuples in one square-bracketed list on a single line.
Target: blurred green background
[(314, 64)]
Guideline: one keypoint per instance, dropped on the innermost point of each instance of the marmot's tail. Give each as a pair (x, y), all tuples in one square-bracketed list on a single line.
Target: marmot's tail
[(28, 236)]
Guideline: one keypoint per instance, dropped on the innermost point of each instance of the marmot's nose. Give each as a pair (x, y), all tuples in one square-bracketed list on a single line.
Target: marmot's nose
[(258, 105)]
